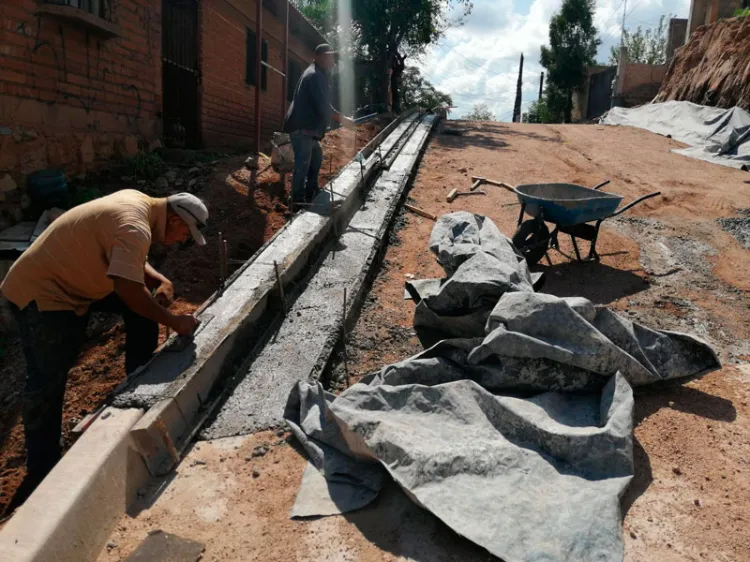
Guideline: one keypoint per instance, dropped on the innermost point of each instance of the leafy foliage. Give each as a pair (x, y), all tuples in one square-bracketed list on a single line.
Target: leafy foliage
[(417, 91), (146, 165), (318, 12), (480, 112), (539, 112), (741, 13), (572, 47), (646, 47)]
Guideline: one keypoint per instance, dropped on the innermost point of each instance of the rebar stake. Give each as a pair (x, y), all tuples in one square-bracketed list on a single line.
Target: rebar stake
[(281, 287), (221, 260), (343, 337)]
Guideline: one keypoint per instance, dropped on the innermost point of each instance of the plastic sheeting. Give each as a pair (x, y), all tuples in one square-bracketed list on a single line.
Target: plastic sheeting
[(517, 435), (720, 136)]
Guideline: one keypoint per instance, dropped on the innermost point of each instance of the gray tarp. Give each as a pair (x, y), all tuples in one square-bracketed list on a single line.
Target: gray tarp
[(518, 436), (720, 136)]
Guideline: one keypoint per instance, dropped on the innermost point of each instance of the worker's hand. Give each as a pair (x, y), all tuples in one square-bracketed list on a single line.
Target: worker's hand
[(184, 324), (348, 122), (164, 293)]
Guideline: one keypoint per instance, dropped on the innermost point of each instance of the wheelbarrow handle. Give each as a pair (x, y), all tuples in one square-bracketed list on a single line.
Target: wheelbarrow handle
[(634, 203), (600, 185)]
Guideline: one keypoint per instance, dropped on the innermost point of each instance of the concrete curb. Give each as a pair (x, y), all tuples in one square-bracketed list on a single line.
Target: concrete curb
[(176, 386), (71, 514), (303, 341)]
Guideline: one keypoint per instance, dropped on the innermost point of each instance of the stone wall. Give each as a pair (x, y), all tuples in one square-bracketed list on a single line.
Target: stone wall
[(73, 96)]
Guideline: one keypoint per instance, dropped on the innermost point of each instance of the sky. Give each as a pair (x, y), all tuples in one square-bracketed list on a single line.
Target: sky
[(478, 61)]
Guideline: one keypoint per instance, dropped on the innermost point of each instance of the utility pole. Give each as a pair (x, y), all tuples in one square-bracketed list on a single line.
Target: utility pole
[(541, 86), (622, 30), (517, 106)]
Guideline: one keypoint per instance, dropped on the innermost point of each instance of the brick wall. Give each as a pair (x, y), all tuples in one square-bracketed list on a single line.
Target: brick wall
[(676, 36), (71, 98), (227, 102)]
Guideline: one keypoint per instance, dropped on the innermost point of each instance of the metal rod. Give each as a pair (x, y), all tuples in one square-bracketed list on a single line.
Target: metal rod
[(285, 79), (224, 259), (276, 70), (221, 260), (343, 337), (281, 286), (258, 50)]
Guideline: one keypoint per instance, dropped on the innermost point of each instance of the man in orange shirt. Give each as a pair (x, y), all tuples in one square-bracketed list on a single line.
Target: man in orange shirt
[(92, 257)]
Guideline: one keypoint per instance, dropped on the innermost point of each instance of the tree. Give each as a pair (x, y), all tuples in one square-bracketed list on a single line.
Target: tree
[(318, 12), (417, 91), (649, 47), (481, 112), (572, 47), (539, 113), (389, 31)]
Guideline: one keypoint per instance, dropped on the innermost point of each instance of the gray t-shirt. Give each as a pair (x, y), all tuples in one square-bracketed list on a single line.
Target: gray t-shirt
[(311, 110)]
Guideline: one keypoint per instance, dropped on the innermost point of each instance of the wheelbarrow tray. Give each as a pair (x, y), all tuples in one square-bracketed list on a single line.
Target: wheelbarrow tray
[(566, 204)]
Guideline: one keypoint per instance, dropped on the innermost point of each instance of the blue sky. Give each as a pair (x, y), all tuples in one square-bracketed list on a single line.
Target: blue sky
[(478, 62)]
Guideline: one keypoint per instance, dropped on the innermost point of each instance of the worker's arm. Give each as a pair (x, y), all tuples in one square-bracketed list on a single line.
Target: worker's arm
[(137, 298), (163, 287), (345, 121)]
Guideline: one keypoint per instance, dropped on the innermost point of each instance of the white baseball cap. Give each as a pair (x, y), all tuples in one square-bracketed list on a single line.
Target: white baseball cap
[(192, 211)]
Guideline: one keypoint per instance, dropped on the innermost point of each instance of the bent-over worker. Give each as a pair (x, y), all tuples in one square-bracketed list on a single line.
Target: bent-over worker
[(94, 257), (307, 120)]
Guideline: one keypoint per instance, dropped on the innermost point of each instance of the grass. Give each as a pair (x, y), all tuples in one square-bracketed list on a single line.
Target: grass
[(146, 165), (742, 13)]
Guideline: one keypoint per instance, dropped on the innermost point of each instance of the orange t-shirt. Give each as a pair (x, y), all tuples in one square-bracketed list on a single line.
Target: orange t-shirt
[(72, 263)]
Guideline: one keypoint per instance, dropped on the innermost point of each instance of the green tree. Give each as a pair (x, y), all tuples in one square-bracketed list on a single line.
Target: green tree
[(389, 31), (480, 112), (417, 91), (318, 12), (646, 47), (572, 47), (539, 113)]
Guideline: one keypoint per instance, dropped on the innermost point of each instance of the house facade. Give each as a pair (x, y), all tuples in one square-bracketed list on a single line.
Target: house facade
[(83, 82)]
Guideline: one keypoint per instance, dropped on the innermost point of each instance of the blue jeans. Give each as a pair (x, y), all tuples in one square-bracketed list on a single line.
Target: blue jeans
[(308, 158)]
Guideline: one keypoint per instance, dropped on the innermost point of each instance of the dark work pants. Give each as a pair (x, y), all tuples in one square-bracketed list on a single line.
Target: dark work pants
[(51, 342), (308, 158)]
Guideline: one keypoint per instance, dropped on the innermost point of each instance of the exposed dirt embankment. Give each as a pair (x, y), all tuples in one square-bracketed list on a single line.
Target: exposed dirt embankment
[(713, 68)]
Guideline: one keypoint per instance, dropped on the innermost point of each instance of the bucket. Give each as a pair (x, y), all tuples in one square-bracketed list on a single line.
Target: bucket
[(48, 188)]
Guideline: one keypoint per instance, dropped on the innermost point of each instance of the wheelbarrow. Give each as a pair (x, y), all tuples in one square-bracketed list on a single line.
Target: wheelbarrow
[(573, 209)]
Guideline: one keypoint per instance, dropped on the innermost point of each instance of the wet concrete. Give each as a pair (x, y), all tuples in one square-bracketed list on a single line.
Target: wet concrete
[(305, 339), (234, 313)]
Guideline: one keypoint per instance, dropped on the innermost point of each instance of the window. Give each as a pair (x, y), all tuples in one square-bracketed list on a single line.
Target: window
[(294, 72), (99, 8), (250, 61), (250, 58)]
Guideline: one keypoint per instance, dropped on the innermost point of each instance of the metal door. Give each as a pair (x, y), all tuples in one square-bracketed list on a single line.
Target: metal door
[(180, 73), (600, 92)]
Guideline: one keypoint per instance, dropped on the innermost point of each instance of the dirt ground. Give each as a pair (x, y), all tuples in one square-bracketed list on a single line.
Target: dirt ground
[(246, 223), (667, 264)]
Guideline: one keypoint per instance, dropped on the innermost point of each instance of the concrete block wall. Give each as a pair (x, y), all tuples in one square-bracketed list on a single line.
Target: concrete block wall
[(641, 83), (706, 12), (676, 36), (73, 98), (227, 101)]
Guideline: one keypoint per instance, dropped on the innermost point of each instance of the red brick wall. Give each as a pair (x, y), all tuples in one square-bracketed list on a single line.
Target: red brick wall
[(227, 102), (74, 99)]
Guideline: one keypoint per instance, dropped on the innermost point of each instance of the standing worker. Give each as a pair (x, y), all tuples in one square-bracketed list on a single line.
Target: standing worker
[(307, 121), (91, 258)]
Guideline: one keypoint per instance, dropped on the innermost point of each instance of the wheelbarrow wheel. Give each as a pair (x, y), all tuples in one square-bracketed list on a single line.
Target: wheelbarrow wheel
[(532, 240)]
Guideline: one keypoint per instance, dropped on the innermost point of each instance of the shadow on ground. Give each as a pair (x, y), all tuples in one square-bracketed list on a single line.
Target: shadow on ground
[(397, 525), (599, 283)]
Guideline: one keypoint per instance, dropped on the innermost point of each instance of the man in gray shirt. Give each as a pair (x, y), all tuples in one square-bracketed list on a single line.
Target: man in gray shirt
[(307, 121)]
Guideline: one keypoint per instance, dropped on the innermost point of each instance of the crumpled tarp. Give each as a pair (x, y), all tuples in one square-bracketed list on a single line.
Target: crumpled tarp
[(720, 136), (518, 436)]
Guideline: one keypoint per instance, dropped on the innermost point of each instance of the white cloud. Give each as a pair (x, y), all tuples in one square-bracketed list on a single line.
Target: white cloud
[(478, 62)]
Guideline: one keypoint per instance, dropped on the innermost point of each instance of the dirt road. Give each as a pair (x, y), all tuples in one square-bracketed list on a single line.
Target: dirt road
[(667, 264)]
